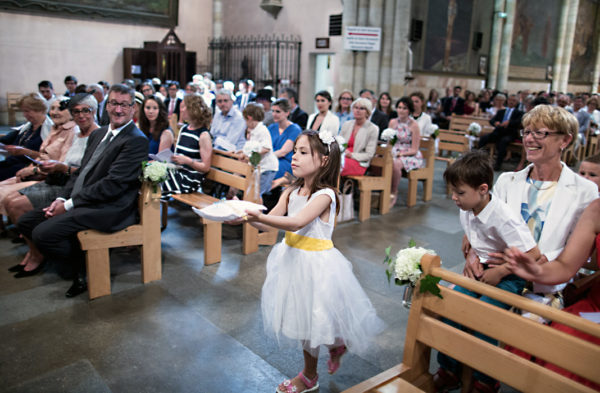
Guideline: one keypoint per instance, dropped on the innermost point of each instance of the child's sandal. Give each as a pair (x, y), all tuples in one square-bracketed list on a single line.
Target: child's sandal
[(288, 387), (444, 381), (338, 352)]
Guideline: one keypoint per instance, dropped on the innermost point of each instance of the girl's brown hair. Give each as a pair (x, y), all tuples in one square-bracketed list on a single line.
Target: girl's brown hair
[(162, 121), (328, 175)]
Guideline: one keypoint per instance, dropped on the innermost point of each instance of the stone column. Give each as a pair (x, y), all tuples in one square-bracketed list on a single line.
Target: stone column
[(400, 46), (372, 62), (360, 58), (346, 75), (568, 45), (386, 47), (492, 76), (505, 48), (596, 74), (560, 45), (217, 33)]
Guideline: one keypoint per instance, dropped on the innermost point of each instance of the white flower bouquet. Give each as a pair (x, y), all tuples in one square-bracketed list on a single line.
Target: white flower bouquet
[(474, 129), (341, 142), (252, 150), (405, 268), (390, 136), (435, 131), (155, 172)]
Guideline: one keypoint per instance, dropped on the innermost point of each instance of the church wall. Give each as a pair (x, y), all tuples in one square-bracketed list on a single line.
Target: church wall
[(308, 19), (34, 48)]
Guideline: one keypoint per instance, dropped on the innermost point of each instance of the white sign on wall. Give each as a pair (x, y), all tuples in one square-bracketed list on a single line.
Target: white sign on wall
[(362, 38)]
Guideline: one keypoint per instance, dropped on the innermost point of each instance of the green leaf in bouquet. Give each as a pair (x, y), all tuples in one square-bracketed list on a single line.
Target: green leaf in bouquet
[(429, 284), (412, 243), (255, 158)]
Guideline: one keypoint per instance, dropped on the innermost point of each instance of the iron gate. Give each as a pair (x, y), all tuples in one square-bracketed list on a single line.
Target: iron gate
[(266, 60)]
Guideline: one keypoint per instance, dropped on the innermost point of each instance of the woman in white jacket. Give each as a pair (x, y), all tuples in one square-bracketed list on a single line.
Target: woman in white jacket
[(324, 119)]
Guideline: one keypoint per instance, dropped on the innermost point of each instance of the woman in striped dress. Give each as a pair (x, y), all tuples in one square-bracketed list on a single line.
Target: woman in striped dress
[(193, 150)]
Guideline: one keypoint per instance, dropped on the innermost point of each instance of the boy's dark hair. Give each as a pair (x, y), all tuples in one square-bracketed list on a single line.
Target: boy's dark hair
[(595, 159), (472, 169), (47, 84), (70, 78)]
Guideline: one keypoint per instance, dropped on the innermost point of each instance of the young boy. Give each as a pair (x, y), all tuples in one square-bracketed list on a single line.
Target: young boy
[(490, 226), (590, 169), (257, 132)]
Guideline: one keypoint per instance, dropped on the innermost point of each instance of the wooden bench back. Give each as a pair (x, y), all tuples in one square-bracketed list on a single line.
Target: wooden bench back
[(11, 102), (452, 141), (227, 170), (427, 147), (462, 123), (383, 161), (426, 331)]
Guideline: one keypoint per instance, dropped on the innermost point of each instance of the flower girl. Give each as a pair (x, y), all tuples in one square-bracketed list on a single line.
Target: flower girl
[(310, 294)]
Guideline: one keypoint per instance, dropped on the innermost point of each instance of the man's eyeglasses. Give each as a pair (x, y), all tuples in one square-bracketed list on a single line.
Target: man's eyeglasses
[(537, 134), (75, 112), (123, 105)]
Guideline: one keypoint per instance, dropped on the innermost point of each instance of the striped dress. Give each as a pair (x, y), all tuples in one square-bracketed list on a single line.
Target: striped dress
[(185, 179)]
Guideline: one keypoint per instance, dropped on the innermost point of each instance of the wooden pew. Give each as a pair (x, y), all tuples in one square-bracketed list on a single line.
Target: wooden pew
[(424, 174), (380, 179), (13, 108), (451, 142), (234, 173), (145, 234), (425, 332)]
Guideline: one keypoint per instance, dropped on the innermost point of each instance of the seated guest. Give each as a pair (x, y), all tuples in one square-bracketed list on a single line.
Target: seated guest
[(452, 105), (263, 97), (471, 107), (172, 102), (422, 118), (590, 169), (147, 89), (259, 134), (361, 136), (497, 105), (54, 147), (283, 135), (342, 110), (71, 85), (138, 100), (507, 123), (46, 90), (154, 123), (193, 150), (191, 88), (484, 101), (228, 124), (101, 194), (57, 173), (297, 115), (324, 119), (26, 140), (585, 237), (384, 104), (434, 104), (98, 92), (376, 116), (405, 151)]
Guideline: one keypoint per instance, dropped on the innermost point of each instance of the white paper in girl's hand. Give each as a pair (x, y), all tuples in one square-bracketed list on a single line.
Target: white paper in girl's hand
[(162, 156), (227, 210)]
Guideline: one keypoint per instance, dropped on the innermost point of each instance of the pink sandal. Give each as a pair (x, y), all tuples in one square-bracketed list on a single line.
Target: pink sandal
[(288, 387), (338, 352)]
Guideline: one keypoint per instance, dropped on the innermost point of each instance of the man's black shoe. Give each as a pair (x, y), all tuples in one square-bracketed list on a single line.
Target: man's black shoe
[(79, 286)]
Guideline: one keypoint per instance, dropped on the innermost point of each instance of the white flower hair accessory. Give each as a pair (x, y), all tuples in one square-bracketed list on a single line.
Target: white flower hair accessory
[(326, 137)]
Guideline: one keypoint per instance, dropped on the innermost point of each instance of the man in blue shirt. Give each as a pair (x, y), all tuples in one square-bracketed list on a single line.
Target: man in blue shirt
[(228, 126)]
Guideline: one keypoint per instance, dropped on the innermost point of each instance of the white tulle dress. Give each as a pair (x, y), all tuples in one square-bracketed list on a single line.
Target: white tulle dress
[(310, 293)]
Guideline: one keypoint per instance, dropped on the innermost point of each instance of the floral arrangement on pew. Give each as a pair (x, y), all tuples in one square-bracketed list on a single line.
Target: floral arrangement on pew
[(405, 268), (155, 172), (390, 136), (474, 129), (252, 150)]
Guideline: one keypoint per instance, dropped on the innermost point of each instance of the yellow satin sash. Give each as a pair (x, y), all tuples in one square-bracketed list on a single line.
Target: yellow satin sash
[(307, 243)]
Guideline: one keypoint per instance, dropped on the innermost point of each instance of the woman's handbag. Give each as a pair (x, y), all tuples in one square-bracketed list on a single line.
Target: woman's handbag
[(346, 202)]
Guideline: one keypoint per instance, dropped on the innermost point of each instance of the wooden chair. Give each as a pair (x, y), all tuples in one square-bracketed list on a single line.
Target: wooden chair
[(13, 108), (424, 174), (592, 145), (449, 143), (425, 332), (145, 234), (380, 179), (234, 173)]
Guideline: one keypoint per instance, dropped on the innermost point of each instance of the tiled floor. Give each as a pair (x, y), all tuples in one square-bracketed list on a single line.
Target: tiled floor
[(199, 329)]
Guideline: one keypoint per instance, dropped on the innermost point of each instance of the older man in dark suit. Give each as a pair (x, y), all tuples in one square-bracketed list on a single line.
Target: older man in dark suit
[(100, 195), (297, 115), (507, 123)]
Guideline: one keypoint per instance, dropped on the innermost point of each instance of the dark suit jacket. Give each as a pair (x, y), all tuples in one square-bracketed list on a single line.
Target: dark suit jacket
[(251, 97), (514, 123), (104, 119), (107, 201), (459, 108), (177, 104), (299, 117), (380, 119)]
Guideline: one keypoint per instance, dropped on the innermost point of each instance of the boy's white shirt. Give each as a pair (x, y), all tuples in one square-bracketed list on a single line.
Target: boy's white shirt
[(260, 134), (495, 228)]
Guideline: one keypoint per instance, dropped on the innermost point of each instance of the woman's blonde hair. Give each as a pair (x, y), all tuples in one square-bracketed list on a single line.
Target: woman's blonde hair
[(553, 118), (34, 101), (197, 110), (363, 103)]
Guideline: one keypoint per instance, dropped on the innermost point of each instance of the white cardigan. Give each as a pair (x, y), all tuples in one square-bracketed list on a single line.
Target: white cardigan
[(572, 196), (330, 123)]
